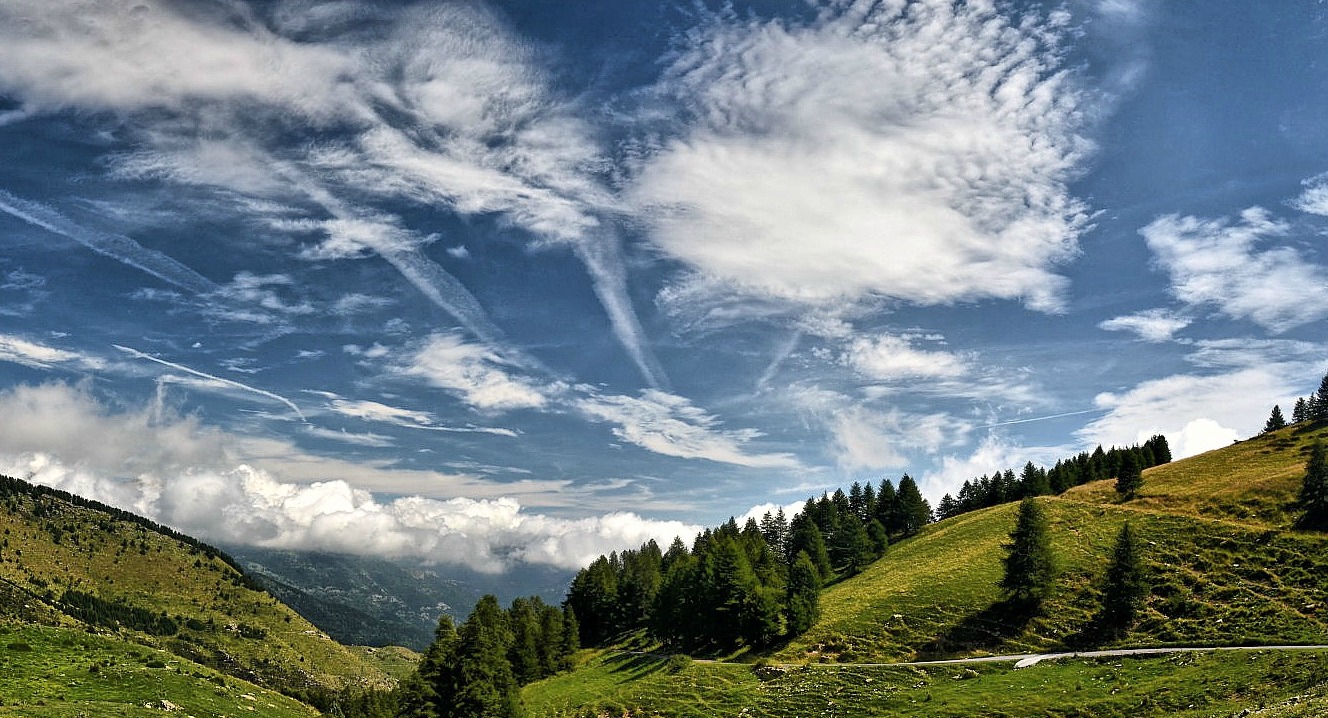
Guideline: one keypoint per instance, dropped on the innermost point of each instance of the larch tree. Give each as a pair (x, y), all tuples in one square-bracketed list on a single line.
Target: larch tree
[(1129, 478), (1126, 584), (1030, 567), (1275, 420), (1314, 492)]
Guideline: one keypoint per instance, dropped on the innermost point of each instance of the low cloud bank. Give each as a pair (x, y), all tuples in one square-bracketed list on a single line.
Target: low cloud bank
[(197, 480)]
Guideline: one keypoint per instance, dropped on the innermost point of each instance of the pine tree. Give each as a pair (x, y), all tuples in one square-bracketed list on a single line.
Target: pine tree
[(806, 537), (1314, 492), (571, 642), (804, 594), (914, 511), (1126, 584), (1318, 403), (1161, 451), (1130, 479), (1275, 420), (1030, 569), (485, 686)]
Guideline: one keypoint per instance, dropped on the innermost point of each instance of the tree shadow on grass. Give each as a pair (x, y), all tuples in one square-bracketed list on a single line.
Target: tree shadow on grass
[(637, 665), (985, 630)]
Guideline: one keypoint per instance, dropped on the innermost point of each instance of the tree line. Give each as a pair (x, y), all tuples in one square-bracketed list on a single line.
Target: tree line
[(1004, 486), (753, 585)]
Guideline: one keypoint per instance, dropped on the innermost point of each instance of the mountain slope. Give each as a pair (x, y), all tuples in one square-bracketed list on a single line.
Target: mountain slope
[(76, 564), (1226, 566)]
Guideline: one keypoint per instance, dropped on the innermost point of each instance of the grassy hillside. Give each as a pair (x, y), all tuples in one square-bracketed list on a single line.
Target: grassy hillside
[(1226, 564), (76, 566), (67, 673)]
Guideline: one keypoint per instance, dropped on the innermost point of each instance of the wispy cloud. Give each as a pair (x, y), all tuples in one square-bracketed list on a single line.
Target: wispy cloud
[(40, 356), (479, 376), (918, 151), (214, 380), (1153, 325), (117, 247), (1314, 199), (670, 425), (893, 358), (1220, 263), (408, 418), (441, 106)]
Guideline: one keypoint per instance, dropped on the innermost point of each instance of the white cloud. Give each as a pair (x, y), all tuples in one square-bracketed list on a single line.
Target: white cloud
[(670, 425), (374, 411), (1195, 413), (478, 375), (40, 356), (920, 153), (1219, 263), (993, 454), (370, 439), (226, 488), (1314, 199), (488, 134), (891, 358), (1153, 325), (867, 439), (356, 303)]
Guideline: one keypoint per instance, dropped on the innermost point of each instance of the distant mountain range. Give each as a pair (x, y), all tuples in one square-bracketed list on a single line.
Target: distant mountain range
[(371, 601)]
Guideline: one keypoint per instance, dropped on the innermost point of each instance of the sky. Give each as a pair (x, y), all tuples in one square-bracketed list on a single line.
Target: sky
[(527, 281)]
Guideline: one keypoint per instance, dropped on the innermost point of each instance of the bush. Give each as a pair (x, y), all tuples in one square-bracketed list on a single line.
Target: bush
[(677, 663)]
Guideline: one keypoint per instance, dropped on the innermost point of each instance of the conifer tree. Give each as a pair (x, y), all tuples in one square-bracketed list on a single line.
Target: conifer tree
[(807, 538), (1030, 569), (1130, 479), (571, 640), (1300, 412), (1317, 406), (1161, 450), (1126, 584), (1275, 420), (804, 594), (914, 511), (1314, 492), (484, 685)]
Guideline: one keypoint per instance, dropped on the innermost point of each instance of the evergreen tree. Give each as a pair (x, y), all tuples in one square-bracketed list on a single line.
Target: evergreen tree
[(551, 640), (1130, 479), (914, 511), (804, 594), (1317, 406), (1126, 584), (1275, 420), (1030, 569), (1300, 412), (485, 686), (853, 547), (1161, 450), (571, 640), (806, 537), (1314, 492), (879, 538), (1034, 481), (527, 636), (887, 508)]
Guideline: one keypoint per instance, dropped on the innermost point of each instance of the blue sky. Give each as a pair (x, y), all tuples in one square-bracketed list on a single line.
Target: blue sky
[(483, 282)]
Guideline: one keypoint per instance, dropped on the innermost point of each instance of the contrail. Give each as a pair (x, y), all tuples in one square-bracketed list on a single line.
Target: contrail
[(228, 382), (783, 353), (603, 260), (1042, 418), (115, 246), (444, 290)]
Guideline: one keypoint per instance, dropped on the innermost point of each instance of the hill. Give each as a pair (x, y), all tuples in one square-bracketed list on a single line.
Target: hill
[(71, 564), (1226, 567)]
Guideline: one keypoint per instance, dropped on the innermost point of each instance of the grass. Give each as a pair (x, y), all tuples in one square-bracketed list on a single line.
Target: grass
[(1227, 566), (1210, 684), (56, 672), (48, 547)]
